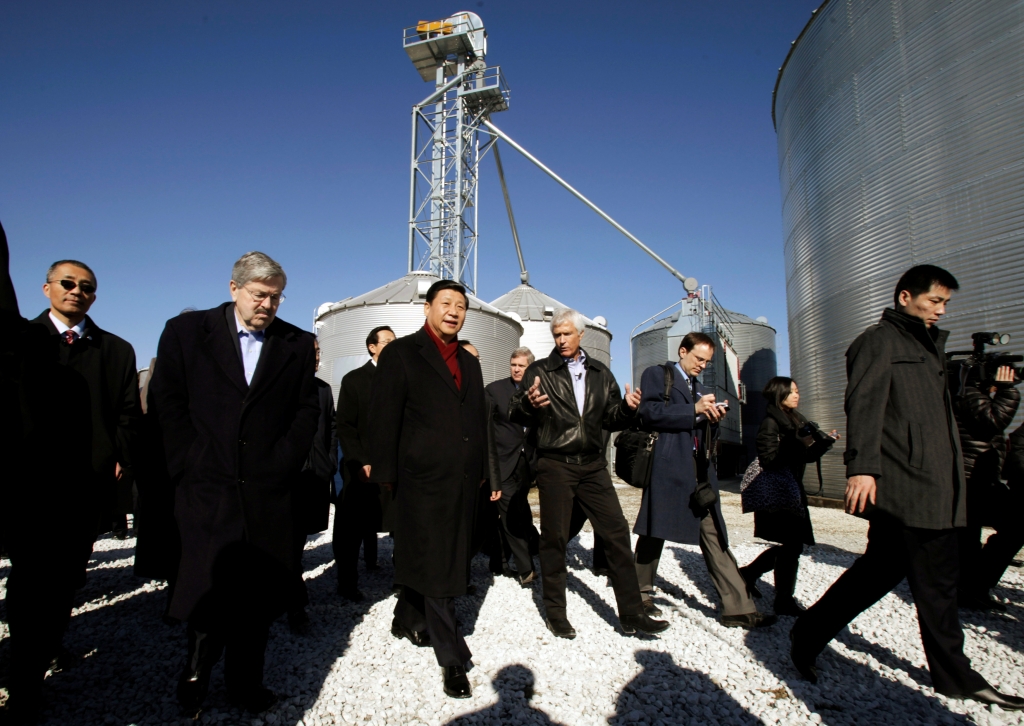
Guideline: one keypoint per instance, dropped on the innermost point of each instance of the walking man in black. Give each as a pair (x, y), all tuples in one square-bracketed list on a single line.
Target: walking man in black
[(361, 510), (573, 399), (428, 443), (513, 460), (905, 474)]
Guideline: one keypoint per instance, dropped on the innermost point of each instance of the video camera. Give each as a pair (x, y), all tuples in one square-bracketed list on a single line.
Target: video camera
[(978, 367)]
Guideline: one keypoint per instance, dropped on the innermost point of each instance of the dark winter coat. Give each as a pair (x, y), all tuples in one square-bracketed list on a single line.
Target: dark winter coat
[(313, 498), (665, 510), (507, 441), (233, 450), (982, 420), (900, 426), (427, 438), (107, 364), (778, 447), (559, 429)]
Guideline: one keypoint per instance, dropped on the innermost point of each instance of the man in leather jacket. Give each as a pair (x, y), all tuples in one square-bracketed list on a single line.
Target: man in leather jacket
[(571, 402), (983, 410)]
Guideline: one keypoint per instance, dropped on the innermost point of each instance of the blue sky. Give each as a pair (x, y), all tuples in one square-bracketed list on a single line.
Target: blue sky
[(159, 141)]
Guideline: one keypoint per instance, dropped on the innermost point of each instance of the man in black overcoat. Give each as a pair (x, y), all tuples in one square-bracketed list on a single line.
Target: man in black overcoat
[(361, 510), (45, 405), (513, 459), (107, 363), (428, 443), (905, 474), (237, 402)]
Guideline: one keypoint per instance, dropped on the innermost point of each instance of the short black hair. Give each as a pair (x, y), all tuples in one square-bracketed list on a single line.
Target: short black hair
[(446, 285), (76, 263), (692, 340), (920, 278), (371, 339), (463, 342), (777, 390)]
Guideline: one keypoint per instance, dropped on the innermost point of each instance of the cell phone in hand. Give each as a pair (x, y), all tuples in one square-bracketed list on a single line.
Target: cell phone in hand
[(724, 405)]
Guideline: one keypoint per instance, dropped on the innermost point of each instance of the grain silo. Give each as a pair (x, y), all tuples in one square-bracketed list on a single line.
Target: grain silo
[(535, 309), (342, 327), (754, 340), (901, 141)]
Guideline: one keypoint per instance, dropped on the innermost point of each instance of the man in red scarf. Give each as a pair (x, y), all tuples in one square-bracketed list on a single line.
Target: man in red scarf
[(428, 444)]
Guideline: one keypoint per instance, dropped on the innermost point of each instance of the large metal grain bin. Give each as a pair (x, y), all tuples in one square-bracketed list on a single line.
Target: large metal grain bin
[(754, 341), (535, 309), (342, 327), (901, 141)]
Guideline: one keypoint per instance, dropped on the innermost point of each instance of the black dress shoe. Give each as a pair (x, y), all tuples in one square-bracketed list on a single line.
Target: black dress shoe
[(651, 609), (298, 621), (351, 594), (527, 582), (560, 628), (751, 581), (419, 638), (749, 620), (803, 662), (602, 572), (203, 652), (984, 602), (1004, 700), (254, 700), (644, 622), (788, 607), (456, 684)]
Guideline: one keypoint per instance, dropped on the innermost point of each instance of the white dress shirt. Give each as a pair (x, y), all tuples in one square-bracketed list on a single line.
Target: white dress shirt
[(79, 329), (252, 344)]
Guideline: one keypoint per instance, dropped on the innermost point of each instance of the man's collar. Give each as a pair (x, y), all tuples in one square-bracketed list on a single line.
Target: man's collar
[(581, 359), (61, 327), (680, 369)]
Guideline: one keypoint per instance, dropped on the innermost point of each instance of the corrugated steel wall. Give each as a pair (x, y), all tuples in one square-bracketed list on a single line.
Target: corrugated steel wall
[(901, 141), (755, 347)]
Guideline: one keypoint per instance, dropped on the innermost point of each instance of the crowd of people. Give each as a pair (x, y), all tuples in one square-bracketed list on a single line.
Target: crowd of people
[(228, 458)]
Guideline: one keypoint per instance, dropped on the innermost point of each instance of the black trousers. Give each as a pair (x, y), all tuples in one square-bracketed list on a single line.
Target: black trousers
[(300, 594), (576, 522), (928, 559), (785, 560), (241, 638), (356, 517), (517, 518), (435, 615), (561, 485)]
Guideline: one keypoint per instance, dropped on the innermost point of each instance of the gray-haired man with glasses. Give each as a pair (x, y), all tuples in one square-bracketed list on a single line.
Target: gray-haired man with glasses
[(237, 403)]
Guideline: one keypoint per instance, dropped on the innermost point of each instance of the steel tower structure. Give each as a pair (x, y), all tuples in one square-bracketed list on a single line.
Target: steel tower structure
[(446, 143)]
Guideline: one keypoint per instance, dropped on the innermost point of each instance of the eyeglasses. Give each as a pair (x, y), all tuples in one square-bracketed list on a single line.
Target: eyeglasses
[(86, 288), (260, 296)]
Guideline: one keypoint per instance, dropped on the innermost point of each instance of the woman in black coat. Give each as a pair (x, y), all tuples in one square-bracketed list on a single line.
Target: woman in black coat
[(779, 445)]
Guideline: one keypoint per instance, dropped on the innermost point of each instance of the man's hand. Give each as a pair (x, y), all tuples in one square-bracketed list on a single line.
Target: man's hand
[(632, 399), (859, 490), (706, 405), (495, 496), (1004, 374), (364, 473), (535, 397), (118, 471)]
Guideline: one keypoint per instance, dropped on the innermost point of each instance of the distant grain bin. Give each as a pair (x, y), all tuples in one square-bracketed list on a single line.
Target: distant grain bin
[(342, 327), (535, 309), (901, 141), (754, 341)]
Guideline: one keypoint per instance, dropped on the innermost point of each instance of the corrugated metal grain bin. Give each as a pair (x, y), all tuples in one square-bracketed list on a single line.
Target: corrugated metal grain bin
[(754, 341)]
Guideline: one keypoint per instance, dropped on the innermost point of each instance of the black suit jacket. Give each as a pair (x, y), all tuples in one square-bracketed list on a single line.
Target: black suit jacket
[(428, 438), (233, 450), (107, 363), (507, 441), (353, 420)]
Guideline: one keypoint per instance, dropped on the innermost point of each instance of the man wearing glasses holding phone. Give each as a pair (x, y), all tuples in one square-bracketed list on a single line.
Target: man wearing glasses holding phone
[(107, 364)]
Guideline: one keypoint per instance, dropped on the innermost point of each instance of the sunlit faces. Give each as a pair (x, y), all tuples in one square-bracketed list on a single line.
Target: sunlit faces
[(446, 314), (71, 291), (518, 367), (383, 338), (693, 362), (793, 399), (567, 339), (257, 301), (928, 306)]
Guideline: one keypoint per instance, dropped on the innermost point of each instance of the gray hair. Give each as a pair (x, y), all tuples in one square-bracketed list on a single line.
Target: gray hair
[(256, 266), (567, 315), (523, 352)]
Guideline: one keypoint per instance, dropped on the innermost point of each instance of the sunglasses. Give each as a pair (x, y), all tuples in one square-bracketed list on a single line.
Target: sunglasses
[(86, 288)]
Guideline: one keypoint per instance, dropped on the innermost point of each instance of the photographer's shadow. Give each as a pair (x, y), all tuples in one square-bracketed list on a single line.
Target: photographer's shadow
[(514, 686)]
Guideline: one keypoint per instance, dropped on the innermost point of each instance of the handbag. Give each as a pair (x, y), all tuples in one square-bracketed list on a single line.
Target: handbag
[(769, 490), (634, 449)]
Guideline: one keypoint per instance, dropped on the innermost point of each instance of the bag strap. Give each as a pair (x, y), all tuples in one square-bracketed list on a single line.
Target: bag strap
[(670, 378), (821, 483)]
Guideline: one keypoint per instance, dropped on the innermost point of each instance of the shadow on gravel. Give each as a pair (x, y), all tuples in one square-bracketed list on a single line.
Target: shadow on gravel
[(674, 695), (514, 685), (693, 566)]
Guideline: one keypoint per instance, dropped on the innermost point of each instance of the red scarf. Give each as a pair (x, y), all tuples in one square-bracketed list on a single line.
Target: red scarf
[(449, 351)]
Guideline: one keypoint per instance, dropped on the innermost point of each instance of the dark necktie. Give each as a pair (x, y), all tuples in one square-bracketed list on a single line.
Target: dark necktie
[(696, 433), (70, 336)]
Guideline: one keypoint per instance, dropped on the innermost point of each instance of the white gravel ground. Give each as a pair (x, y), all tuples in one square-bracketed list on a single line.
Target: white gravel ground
[(350, 670)]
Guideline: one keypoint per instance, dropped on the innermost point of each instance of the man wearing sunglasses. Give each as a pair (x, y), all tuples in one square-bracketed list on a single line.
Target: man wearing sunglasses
[(107, 363)]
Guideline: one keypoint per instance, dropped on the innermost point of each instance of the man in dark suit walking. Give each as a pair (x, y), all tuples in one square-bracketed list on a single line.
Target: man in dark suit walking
[(236, 397), (107, 363), (905, 474), (513, 459), (361, 508), (428, 444)]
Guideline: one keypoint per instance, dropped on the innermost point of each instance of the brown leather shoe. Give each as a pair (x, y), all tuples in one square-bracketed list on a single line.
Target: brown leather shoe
[(749, 620)]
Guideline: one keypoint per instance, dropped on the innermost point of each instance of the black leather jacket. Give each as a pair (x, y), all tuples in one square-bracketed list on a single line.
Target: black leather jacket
[(560, 430), (982, 419)]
